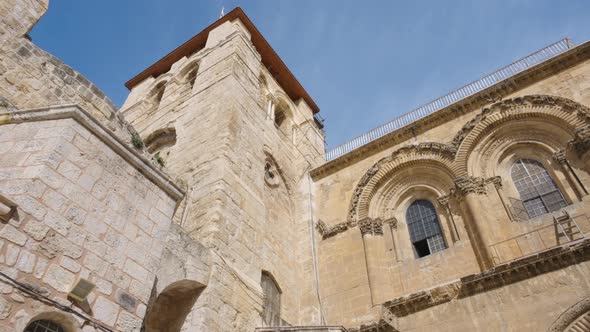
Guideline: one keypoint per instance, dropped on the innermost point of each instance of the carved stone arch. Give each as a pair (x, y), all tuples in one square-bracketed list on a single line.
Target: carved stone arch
[(533, 133), (437, 154), (561, 111), (426, 176), (574, 319)]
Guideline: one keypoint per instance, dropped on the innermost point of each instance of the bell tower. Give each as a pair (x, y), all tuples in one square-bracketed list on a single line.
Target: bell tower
[(224, 115)]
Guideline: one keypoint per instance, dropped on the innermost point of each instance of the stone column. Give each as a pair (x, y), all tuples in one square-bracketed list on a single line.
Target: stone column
[(378, 258), (466, 192), (444, 202), (570, 175)]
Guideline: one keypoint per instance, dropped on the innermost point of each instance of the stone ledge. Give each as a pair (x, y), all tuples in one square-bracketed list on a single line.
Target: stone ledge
[(143, 165), (501, 275)]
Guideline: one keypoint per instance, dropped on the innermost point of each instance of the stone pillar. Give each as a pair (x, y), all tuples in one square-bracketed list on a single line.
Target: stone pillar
[(466, 192), (572, 178), (444, 202), (379, 258)]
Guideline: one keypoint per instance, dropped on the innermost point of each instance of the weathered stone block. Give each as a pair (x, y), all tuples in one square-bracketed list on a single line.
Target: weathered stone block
[(105, 311), (13, 235), (59, 278)]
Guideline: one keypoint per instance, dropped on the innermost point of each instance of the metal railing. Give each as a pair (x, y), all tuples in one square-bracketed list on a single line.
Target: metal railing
[(444, 101), (535, 239)]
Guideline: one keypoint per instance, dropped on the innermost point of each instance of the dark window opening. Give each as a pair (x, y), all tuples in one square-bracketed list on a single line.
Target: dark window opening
[(192, 76), (279, 117), (158, 92), (44, 325), (421, 248), (424, 228)]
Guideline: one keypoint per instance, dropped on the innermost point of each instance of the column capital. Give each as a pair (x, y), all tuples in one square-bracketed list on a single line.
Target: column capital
[(465, 185), (559, 156), (371, 226)]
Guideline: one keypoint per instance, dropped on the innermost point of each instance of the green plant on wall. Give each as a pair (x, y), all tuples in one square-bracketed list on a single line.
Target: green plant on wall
[(136, 141), (159, 159)]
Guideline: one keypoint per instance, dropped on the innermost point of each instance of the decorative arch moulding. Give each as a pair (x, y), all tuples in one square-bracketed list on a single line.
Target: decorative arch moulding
[(452, 157), (579, 115)]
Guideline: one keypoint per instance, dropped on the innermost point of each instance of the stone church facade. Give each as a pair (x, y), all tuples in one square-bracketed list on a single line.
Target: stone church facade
[(207, 202)]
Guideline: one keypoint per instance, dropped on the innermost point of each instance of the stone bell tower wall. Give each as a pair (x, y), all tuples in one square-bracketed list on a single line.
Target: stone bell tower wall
[(224, 137)]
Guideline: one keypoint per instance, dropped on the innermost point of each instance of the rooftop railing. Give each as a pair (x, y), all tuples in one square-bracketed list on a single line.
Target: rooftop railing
[(444, 101)]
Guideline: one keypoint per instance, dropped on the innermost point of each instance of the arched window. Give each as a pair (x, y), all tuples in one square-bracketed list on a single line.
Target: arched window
[(158, 92), (280, 117), (537, 190), (424, 228), (44, 325), (191, 75)]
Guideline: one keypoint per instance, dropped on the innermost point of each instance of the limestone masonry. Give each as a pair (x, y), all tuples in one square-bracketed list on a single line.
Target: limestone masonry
[(207, 203)]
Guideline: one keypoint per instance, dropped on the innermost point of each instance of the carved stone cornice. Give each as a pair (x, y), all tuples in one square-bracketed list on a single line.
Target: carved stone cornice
[(366, 226), (501, 275), (422, 300), (433, 147), (329, 231), (371, 226)]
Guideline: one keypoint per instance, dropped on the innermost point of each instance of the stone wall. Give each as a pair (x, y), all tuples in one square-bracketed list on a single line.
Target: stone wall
[(223, 140), (531, 297), (32, 78), (87, 207), (361, 269)]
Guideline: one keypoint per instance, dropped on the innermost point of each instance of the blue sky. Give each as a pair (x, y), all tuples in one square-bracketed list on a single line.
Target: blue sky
[(364, 62)]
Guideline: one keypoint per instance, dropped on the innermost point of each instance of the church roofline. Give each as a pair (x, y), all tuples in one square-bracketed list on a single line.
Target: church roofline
[(270, 59), (364, 145), (454, 96)]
